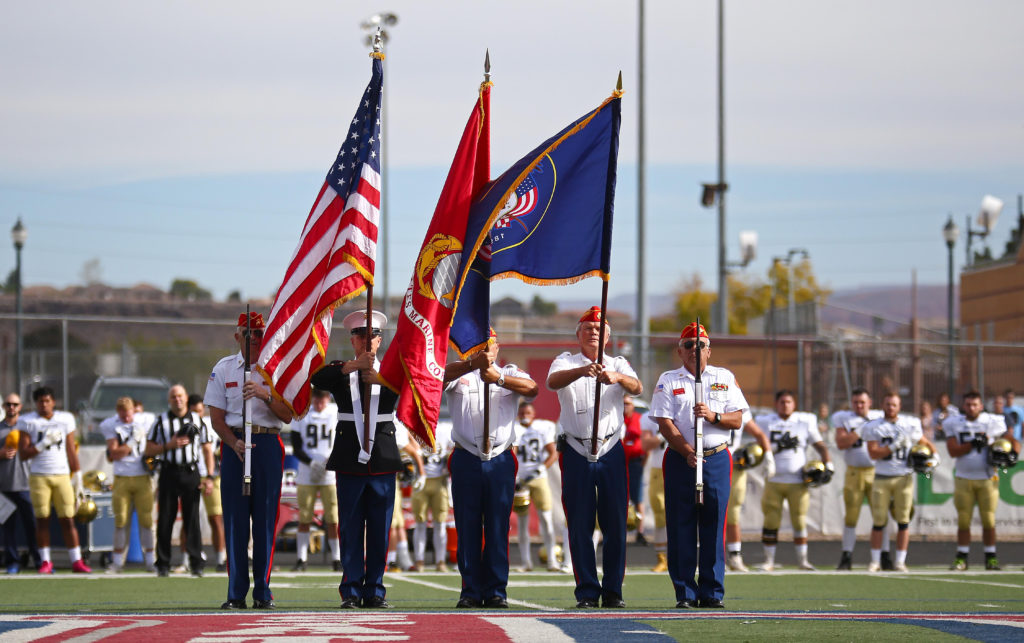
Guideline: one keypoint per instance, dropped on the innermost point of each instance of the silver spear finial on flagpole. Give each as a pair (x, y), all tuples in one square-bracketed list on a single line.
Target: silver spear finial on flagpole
[(487, 66)]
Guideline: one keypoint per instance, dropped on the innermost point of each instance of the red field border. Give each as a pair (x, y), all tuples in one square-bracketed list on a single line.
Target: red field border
[(452, 627)]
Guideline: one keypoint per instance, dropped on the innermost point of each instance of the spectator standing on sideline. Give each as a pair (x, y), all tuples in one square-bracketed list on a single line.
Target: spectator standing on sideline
[(14, 472)]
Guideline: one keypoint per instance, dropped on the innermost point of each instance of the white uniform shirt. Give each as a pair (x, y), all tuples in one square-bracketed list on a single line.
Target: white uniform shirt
[(737, 439), (435, 461), (649, 425), (466, 403), (132, 434), (886, 433), (317, 431), (531, 442), (974, 464), (52, 460), (673, 399), (789, 463), (224, 391), (576, 417), (857, 455)]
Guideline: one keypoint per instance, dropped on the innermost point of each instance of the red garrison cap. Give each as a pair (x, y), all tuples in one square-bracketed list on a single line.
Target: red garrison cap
[(691, 331), (592, 315), (255, 320)]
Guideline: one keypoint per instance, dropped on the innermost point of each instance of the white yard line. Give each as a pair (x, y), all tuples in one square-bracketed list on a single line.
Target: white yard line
[(512, 601)]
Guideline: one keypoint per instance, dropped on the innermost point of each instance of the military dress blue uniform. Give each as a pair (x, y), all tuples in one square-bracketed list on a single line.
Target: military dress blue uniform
[(365, 483), (696, 534), (255, 513)]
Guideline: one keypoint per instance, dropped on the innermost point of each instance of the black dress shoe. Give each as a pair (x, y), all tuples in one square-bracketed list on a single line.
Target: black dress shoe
[(233, 605), (350, 603), (263, 605), (712, 603), (613, 602), (587, 604), (686, 604), (197, 573), (468, 603), (496, 603), (163, 572), (336, 566), (376, 602), (221, 568)]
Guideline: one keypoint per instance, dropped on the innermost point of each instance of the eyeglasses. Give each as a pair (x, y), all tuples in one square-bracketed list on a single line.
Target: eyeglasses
[(253, 334), (689, 344), (12, 403)]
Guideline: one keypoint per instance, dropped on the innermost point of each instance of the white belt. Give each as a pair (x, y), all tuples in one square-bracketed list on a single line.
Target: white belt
[(350, 417)]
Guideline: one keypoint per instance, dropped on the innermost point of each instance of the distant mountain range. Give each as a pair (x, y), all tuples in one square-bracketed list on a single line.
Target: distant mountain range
[(882, 308)]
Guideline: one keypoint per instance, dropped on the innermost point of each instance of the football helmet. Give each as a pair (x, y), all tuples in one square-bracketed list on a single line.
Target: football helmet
[(94, 480), (407, 475), (816, 473), (749, 456), (87, 511), (923, 459), (542, 553), (1001, 454), (11, 442), (521, 500)]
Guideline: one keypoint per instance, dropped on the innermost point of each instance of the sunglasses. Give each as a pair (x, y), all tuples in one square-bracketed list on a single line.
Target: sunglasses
[(689, 344), (11, 404), (253, 334)]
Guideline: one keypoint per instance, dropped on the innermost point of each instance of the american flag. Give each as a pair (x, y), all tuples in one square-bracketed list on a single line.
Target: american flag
[(334, 260), (526, 201)]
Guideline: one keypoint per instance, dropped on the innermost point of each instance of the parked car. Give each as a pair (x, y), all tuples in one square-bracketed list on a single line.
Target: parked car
[(102, 402)]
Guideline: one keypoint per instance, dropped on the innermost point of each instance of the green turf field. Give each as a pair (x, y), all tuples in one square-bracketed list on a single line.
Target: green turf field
[(918, 591)]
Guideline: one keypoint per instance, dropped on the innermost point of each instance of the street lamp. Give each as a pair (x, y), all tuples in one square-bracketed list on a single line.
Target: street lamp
[(374, 26), (18, 235), (950, 232)]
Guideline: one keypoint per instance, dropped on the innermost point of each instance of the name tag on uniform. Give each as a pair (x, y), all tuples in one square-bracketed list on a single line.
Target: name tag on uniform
[(231, 385), (679, 391)]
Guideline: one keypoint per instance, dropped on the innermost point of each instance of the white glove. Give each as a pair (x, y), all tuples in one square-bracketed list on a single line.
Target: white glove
[(419, 482), (50, 438), (318, 466), (769, 465), (138, 434), (76, 484), (903, 443)]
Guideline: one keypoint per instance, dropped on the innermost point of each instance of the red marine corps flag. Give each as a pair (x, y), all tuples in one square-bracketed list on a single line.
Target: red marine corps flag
[(414, 363), (334, 260)]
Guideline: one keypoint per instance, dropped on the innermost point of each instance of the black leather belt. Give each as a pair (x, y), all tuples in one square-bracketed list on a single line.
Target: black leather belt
[(257, 429)]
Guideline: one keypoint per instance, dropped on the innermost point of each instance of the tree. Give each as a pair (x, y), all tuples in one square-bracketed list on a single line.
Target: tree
[(749, 296), (543, 308), (189, 290), (11, 285), (234, 297)]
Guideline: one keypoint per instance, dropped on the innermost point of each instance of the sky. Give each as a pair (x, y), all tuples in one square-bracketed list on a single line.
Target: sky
[(188, 139)]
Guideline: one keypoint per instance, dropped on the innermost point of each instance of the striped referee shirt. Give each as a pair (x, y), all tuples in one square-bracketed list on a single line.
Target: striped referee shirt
[(168, 425)]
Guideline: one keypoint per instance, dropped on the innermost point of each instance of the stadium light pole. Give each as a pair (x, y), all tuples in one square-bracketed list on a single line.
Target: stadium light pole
[(19, 234), (643, 317), (371, 25), (950, 232), (722, 322)]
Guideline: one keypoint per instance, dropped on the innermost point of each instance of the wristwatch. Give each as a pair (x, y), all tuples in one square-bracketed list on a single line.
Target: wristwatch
[(718, 418), (501, 380)]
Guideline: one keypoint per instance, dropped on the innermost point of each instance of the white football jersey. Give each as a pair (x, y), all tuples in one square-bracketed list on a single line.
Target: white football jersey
[(531, 441), (317, 431), (857, 455), (132, 434), (52, 460), (974, 464), (435, 461), (789, 462), (886, 433)]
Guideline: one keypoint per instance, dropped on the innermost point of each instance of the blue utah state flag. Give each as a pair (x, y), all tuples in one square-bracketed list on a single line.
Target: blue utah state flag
[(546, 220)]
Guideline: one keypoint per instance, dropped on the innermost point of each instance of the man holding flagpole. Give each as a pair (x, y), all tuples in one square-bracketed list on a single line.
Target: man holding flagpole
[(365, 461), (693, 526), (484, 400), (594, 484)]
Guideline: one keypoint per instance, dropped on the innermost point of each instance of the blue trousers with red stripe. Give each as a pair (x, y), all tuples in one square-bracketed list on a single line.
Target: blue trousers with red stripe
[(365, 506), (589, 490), (256, 513), (482, 492), (696, 534)]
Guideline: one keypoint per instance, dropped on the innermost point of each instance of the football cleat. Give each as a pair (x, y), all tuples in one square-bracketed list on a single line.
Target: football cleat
[(735, 562), (900, 567), (874, 567), (79, 567), (886, 562), (46, 567), (805, 565), (845, 562), (992, 564), (959, 564)]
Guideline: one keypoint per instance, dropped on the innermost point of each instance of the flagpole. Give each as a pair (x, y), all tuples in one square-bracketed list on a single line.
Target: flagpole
[(600, 360), (487, 386), (365, 389)]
